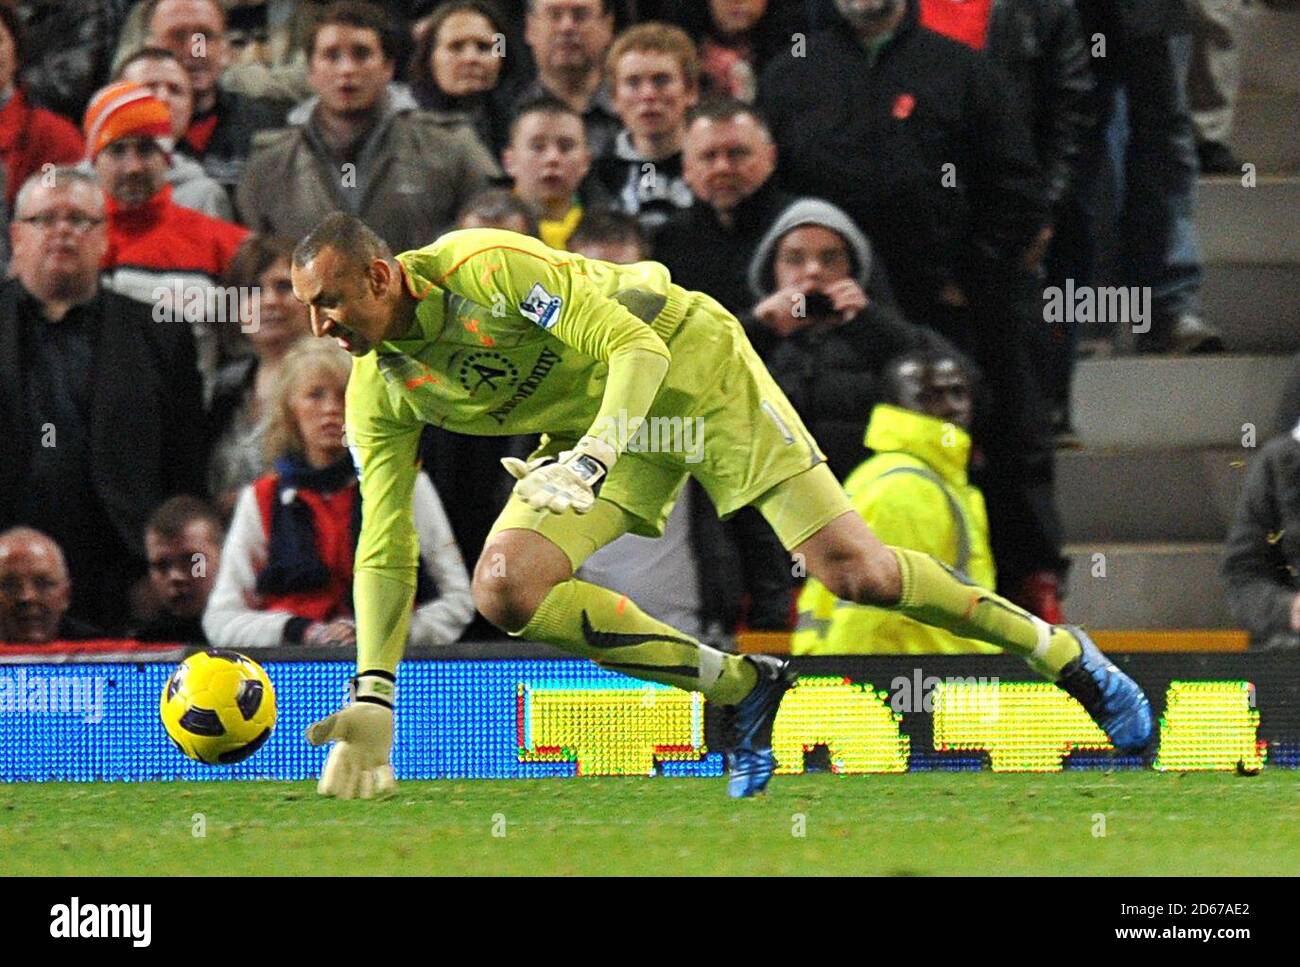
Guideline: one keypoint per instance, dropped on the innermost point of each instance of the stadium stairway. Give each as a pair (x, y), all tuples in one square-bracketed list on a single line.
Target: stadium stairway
[(1164, 439), (1147, 502)]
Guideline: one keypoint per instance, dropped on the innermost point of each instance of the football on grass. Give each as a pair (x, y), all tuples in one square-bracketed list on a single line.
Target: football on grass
[(218, 707)]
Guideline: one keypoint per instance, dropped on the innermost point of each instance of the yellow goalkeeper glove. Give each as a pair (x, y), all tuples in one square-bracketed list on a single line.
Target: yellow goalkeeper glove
[(569, 482), (362, 733)]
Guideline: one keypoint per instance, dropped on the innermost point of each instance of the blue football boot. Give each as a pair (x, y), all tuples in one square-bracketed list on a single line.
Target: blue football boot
[(750, 761), (1114, 700)]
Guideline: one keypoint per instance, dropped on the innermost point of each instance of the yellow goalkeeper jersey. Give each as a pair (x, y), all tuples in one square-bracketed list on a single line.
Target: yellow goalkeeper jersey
[(513, 337)]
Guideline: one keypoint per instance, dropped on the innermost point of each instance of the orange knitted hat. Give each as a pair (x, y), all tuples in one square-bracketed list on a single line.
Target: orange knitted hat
[(125, 110)]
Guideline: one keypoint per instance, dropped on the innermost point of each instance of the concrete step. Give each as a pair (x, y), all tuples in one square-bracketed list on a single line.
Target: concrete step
[(1257, 306), (1170, 403), (1153, 586), (1265, 132), (1116, 495), (1260, 224)]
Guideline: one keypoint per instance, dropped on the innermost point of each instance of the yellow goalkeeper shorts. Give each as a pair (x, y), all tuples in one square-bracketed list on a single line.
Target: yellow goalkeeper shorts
[(720, 418)]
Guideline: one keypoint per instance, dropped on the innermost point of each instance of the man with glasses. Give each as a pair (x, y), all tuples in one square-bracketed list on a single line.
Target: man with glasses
[(99, 405)]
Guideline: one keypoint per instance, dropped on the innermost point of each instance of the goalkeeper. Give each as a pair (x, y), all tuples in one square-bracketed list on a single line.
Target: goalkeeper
[(490, 332)]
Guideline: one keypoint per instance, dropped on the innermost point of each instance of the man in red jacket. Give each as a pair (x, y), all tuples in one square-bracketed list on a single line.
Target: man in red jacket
[(160, 253)]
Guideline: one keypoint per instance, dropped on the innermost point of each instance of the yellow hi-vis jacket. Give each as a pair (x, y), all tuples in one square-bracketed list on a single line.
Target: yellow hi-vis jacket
[(913, 493)]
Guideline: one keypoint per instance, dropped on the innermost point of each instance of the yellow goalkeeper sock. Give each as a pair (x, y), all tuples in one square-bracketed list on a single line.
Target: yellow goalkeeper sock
[(596, 623), (938, 595)]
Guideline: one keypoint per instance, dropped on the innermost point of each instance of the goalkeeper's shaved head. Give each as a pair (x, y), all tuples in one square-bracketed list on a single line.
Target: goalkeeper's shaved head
[(350, 283), (348, 236)]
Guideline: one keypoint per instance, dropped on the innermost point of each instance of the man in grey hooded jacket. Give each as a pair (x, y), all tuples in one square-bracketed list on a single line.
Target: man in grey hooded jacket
[(820, 334)]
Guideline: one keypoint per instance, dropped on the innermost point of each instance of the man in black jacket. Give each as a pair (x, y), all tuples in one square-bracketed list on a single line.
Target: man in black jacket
[(916, 137), (728, 162), (728, 158), (1261, 563), (100, 404), (35, 591), (1039, 45)]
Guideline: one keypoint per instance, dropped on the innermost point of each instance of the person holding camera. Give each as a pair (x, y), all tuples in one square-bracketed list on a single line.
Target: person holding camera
[(816, 328)]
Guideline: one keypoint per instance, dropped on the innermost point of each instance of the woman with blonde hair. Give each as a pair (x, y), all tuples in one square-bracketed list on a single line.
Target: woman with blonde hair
[(286, 567)]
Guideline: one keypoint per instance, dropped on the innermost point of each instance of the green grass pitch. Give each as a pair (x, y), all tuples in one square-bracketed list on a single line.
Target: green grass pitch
[(1134, 823)]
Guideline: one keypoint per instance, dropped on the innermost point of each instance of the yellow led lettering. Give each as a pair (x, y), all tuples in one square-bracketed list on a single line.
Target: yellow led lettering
[(1024, 726), (610, 731), (1209, 726), (854, 722)]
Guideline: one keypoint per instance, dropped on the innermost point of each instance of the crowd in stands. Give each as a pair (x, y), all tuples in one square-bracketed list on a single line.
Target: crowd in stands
[(879, 190)]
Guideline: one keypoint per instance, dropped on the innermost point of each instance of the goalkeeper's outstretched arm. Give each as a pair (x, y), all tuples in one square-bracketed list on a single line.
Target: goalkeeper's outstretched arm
[(383, 592)]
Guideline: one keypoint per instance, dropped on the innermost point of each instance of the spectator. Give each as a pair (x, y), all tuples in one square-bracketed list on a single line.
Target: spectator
[(728, 162), (824, 341), (182, 542), (103, 415), (499, 208), (286, 567), (35, 592), (928, 154), (272, 64), (1145, 127), (360, 147), (1261, 564), (548, 159), (736, 40), (913, 493), (271, 322), (161, 74), (263, 45), (457, 67), (159, 252), (655, 74), (1039, 45), (568, 40), (611, 237), (67, 50), (220, 135), (29, 136)]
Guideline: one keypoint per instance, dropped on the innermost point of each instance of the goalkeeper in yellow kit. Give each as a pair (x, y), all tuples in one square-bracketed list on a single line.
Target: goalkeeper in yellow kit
[(490, 332)]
